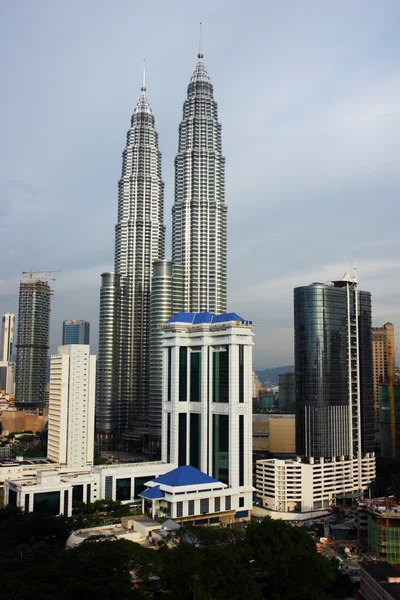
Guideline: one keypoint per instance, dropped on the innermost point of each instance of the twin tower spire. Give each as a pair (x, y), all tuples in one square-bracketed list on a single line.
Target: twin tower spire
[(145, 289)]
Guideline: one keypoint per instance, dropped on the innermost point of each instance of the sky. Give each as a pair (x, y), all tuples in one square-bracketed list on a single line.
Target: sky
[(308, 96)]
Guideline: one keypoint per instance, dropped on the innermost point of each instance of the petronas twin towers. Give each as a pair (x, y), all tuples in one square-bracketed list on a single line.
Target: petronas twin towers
[(145, 289)]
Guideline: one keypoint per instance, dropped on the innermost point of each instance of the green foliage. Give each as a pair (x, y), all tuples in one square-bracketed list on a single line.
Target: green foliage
[(270, 560), (288, 556)]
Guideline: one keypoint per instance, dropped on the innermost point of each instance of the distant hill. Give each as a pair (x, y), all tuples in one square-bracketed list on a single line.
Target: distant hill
[(272, 374)]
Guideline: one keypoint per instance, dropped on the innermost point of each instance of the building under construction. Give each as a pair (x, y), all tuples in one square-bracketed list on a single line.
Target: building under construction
[(32, 340), (384, 529), (389, 420)]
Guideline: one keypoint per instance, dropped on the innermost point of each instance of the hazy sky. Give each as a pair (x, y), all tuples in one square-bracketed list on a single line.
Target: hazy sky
[(309, 100)]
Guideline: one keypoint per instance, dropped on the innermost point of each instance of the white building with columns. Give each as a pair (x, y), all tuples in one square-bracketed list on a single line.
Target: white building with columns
[(207, 399), (71, 406)]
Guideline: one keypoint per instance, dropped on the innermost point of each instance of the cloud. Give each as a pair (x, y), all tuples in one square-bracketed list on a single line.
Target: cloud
[(308, 96)]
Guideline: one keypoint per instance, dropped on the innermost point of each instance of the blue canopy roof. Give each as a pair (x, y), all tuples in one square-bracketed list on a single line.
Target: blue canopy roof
[(185, 475), (205, 317), (153, 493)]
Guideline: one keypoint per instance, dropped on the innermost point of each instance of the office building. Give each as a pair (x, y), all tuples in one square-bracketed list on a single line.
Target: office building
[(71, 406), (7, 337), (207, 399), (76, 332), (123, 390), (32, 343), (287, 395), (199, 213), (383, 359), (334, 403), (333, 367)]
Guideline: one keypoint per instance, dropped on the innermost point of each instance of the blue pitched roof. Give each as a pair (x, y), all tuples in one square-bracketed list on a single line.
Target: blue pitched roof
[(153, 493), (205, 317), (185, 475)]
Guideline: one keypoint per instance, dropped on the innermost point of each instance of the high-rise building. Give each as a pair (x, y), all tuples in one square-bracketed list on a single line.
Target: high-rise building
[(199, 213), (139, 241), (32, 343), (76, 332), (207, 398), (383, 358), (334, 403), (7, 337), (71, 406), (109, 417), (333, 368)]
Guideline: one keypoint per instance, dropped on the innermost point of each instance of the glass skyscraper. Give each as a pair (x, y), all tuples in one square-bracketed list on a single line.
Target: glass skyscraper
[(333, 369), (76, 332), (32, 343)]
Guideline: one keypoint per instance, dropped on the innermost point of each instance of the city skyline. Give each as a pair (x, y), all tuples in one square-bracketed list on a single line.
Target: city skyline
[(308, 105)]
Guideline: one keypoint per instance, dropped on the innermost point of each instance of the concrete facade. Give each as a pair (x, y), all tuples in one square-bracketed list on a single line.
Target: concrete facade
[(296, 486), (71, 406)]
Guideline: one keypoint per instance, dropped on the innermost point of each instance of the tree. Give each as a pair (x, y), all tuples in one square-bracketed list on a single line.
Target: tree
[(288, 558)]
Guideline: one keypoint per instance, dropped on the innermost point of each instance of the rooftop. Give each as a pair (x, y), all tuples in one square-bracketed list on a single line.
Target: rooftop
[(206, 318), (185, 475), (388, 576)]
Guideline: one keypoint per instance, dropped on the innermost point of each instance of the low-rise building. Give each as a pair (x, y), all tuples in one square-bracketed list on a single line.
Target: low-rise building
[(298, 486), (14, 420), (54, 490), (274, 433), (187, 495)]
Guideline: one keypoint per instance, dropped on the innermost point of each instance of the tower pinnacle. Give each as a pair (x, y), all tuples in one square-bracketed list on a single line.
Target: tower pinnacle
[(200, 54), (144, 78)]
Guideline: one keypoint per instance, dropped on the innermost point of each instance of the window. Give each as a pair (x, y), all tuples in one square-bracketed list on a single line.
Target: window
[(217, 504), (108, 487), (195, 441), (77, 493), (221, 374), (169, 371), (228, 503), (241, 449), (204, 506), (123, 489), (179, 509), (241, 502), (221, 448), (139, 486), (168, 437), (182, 374), (182, 439), (191, 508), (47, 503), (195, 373), (241, 373)]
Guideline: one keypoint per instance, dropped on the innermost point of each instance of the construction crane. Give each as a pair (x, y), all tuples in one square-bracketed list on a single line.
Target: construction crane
[(391, 362), (41, 274)]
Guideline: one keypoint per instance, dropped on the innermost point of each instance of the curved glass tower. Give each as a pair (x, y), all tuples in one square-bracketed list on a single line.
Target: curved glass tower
[(139, 241), (199, 213), (333, 366)]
